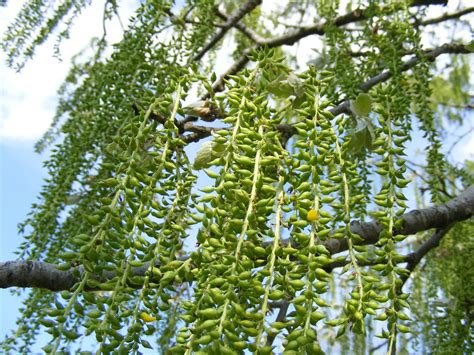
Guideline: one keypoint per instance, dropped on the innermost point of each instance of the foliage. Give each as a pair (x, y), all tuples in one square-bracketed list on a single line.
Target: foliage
[(122, 193), (443, 310)]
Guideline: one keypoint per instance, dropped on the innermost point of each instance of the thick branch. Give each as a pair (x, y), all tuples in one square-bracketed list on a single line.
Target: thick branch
[(411, 259), (458, 209), (44, 275), (35, 274)]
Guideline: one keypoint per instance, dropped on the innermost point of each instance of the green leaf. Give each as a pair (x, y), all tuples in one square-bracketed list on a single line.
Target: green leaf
[(362, 136), (292, 85), (362, 105)]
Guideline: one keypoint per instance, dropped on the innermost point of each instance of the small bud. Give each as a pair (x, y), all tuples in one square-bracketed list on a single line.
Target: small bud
[(204, 156)]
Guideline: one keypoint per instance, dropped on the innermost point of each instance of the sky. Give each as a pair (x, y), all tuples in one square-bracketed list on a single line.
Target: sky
[(27, 106)]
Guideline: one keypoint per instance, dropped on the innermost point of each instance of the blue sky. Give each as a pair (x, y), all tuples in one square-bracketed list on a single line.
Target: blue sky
[(20, 181), (27, 103)]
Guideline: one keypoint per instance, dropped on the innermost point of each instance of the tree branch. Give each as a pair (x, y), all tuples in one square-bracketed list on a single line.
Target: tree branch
[(237, 66), (413, 259), (445, 17), (45, 275), (294, 36), (457, 209), (35, 274), (231, 21), (452, 48), (426, 181), (255, 37), (280, 318), (459, 139), (344, 107)]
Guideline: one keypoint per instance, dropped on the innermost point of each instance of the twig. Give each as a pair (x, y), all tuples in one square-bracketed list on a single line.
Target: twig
[(427, 182), (444, 17), (280, 318), (381, 345), (460, 138), (182, 19), (255, 37), (430, 55), (238, 65), (413, 259), (294, 36), (231, 21)]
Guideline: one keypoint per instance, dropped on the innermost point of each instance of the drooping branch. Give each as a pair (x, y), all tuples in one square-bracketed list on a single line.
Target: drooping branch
[(412, 260), (344, 107), (44, 275)]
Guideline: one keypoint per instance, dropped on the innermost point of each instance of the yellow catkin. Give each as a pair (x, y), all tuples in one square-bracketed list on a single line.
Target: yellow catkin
[(312, 215), (146, 317)]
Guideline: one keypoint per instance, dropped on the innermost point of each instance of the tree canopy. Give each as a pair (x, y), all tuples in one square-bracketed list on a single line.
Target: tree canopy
[(259, 208)]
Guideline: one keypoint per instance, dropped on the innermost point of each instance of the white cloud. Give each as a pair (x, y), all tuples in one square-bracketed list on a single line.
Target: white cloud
[(28, 98)]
